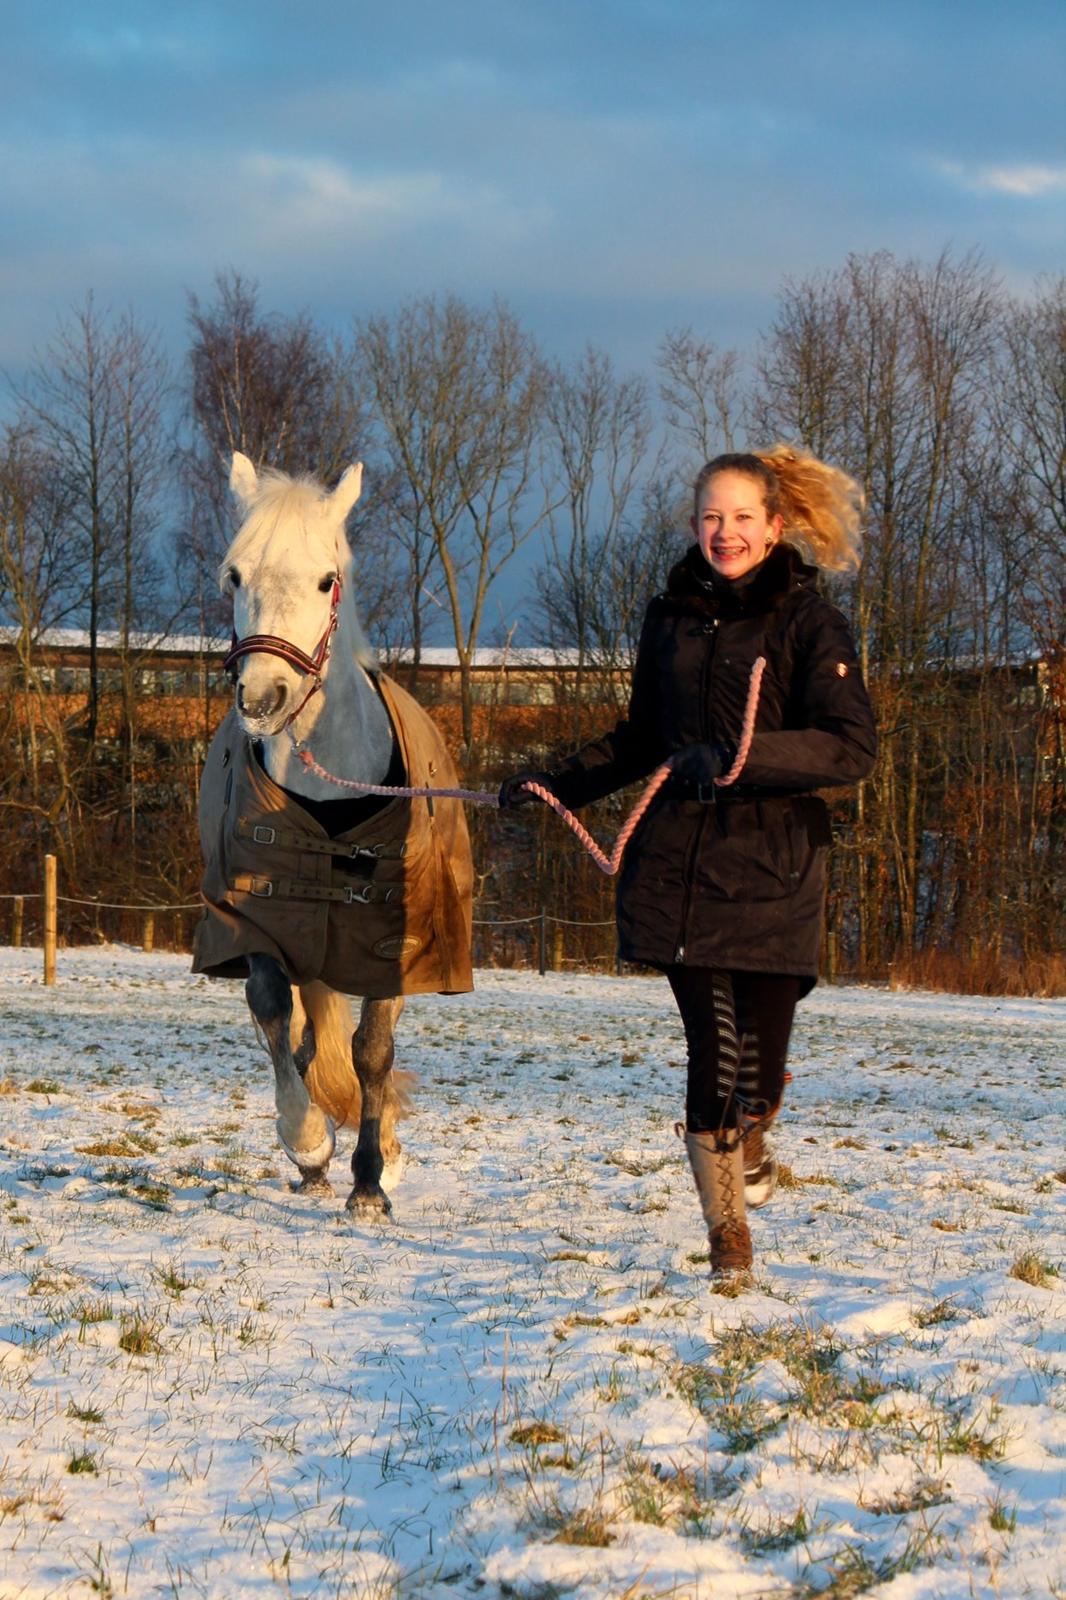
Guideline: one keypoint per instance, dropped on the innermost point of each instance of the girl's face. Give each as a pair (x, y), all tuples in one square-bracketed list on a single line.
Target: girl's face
[(731, 524)]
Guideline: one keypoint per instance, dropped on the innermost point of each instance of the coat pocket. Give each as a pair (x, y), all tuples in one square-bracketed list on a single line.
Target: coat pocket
[(753, 853)]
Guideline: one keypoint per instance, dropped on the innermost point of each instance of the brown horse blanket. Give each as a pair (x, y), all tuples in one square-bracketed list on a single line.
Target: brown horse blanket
[(380, 911)]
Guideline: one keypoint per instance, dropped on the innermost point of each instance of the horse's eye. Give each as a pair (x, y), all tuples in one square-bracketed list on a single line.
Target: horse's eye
[(234, 577), (327, 583)]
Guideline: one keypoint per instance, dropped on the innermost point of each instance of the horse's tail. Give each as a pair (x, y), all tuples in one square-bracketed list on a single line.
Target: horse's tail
[(331, 1080)]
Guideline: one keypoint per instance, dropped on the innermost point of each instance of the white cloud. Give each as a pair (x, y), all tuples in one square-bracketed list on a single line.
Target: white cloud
[(1025, 181), (316, 190)]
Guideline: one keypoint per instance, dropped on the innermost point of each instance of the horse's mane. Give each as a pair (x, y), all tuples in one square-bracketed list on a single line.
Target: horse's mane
[(296, 502)]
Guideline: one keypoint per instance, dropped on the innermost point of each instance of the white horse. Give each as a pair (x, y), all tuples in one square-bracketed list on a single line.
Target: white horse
[(306, 684)]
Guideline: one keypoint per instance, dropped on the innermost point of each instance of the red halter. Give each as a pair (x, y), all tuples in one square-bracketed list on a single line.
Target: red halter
[(269, 644)]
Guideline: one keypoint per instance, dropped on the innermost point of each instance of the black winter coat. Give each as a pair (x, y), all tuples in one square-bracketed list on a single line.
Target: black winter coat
[(737, 881)]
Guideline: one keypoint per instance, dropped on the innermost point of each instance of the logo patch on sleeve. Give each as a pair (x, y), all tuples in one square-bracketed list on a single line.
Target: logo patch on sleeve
[(842, 669)]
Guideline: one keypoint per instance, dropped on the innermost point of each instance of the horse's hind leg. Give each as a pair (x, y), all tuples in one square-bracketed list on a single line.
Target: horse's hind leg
[(372, 1057), (306, 1135)]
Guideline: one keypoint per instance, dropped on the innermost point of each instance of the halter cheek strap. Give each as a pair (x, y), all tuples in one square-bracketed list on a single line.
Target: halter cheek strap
[(269, 644)]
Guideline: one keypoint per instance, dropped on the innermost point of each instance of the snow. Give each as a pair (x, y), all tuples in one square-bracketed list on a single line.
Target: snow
[(524, 1385)]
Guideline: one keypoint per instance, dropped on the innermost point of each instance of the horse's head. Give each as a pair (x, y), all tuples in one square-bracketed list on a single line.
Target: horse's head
[(285, 570)]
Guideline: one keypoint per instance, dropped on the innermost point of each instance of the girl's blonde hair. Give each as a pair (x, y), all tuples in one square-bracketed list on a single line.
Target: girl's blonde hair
[(821, 506)]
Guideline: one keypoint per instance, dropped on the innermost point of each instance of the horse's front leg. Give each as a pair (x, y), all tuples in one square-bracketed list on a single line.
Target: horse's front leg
[(372, 1056), (305, 1133)]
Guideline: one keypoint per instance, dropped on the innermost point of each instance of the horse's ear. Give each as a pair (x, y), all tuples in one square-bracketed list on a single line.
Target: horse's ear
[(242, 479), (347, 491)]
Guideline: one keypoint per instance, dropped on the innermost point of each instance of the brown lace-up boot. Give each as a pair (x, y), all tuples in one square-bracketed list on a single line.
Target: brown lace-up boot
[(717, 1164)]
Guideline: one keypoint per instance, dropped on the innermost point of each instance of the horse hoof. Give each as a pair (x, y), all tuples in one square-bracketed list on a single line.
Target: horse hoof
[(370, 1204), (312, 1180)]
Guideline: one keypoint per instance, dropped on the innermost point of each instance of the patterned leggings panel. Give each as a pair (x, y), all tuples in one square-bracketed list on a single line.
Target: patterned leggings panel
[(737, 1026)]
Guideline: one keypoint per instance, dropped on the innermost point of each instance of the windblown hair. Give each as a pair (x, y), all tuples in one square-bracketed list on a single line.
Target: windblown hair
[(821, 505)]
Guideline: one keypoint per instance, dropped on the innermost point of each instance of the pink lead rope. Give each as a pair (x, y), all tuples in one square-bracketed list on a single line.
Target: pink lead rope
[(486, 797)]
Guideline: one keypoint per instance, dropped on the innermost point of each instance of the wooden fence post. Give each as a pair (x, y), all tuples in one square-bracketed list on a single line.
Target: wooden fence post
[(557, 948), (17, 912), (148, 939), (49, 919)]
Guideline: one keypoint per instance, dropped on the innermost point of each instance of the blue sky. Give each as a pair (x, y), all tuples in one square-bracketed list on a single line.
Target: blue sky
[(612, 170)]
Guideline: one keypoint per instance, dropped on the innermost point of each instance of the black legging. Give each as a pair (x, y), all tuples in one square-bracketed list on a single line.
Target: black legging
[(737, 1025)]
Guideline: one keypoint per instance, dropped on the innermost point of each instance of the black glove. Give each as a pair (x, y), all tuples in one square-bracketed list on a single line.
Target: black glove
[(700, 763), (512, 793)]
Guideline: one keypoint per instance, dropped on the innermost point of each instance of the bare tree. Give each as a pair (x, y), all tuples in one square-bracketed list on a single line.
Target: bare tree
[(41, 587), (701, 392), (70, 398), (282, 392), (458, 397), (598, 429), (885, 367)]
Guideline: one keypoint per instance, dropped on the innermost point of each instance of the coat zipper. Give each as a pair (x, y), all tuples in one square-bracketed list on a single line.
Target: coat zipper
[(711, 629)]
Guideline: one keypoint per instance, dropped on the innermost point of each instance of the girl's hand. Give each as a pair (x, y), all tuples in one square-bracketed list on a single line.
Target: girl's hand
[(700, 763), (512, 793)]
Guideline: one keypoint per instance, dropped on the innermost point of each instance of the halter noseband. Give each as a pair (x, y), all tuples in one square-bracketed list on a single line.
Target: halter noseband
[(269, 644)]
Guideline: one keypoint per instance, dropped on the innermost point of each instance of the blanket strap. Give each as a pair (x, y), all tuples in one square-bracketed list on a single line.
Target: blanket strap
[(293, 839), (293, 889)]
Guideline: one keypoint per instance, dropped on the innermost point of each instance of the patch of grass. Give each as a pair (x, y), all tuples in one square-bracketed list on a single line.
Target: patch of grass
[(534, 1433), (659, 1497), (1033, 1269), (43, 1086), (950, 1137), (1012, 1206), (612, 1390), (130, 1143), (584, 1527), (781, 1534), (788, 1178), (86, 1312), (636, 1167), (250, 1333), (82, 1461), (932, 1316), (8, 1086), (1002, 1518), (745, 1423), (852, 1572), (172, 1278), (138, 1336), (84, 1413), (974, 1439), (922, 1493), (45, 1281), (946, 1227), (154, 1195)]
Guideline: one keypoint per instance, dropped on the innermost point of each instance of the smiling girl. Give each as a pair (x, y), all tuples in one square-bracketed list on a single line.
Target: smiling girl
[(722, 887)]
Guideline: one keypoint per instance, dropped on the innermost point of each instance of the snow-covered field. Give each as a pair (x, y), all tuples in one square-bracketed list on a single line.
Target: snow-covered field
[(524, 1385)]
